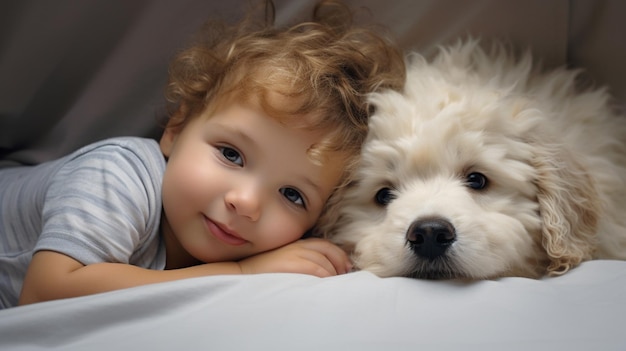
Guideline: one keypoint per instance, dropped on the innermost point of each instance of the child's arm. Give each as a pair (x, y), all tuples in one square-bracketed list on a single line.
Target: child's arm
[(52, 275), (310, 256)]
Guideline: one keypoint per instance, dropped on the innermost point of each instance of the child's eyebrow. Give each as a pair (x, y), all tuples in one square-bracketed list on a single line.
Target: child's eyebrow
[(238, 133), (316, 187), (311, 183)]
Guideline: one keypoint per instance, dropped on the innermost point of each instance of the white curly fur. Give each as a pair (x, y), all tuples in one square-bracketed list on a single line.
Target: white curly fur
[(554, 159)]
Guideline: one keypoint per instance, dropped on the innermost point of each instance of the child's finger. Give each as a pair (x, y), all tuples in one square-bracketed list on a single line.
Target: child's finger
[(332, 253)]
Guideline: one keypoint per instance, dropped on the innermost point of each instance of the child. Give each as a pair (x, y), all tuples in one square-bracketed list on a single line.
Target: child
[(265, 123)]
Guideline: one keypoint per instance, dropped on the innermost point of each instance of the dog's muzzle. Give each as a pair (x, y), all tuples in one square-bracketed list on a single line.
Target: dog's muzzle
[(429, 238)]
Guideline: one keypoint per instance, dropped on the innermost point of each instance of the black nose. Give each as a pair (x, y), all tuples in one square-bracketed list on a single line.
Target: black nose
[(430, 237)]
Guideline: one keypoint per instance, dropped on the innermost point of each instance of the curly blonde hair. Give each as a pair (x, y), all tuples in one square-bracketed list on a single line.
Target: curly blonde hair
[(324, 67)]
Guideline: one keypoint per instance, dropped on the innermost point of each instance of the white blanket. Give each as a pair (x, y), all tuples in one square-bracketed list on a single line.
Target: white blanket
[(582, 310)]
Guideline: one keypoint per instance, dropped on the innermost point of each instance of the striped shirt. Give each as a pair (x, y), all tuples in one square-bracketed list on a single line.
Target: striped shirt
[(101, 203)]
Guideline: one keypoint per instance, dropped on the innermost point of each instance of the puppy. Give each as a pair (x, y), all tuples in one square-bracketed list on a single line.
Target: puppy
[(484, 167)]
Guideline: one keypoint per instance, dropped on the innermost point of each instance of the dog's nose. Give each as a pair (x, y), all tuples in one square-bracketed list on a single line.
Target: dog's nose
[(430, 237)]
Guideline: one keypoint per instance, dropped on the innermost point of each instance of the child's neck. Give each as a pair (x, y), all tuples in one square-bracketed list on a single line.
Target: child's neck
[(175, 255)]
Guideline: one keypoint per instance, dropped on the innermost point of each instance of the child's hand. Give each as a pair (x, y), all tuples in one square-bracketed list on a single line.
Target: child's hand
[(312, 256)]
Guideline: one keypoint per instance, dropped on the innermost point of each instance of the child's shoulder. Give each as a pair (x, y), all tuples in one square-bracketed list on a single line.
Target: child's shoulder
[(140, 147), (125, 152), (128, 142)]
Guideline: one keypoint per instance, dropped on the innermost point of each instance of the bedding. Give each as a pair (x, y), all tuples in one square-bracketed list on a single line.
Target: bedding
[(582, 310), (72, 73)]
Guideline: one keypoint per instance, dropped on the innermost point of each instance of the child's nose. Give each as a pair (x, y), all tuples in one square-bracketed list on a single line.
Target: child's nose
[(245, 201)]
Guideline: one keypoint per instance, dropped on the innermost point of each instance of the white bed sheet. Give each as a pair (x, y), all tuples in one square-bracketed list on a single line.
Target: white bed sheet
[(582, 310)]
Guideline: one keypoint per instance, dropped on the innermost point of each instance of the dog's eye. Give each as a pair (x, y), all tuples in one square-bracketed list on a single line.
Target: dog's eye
[(384, 196), (476, 181)]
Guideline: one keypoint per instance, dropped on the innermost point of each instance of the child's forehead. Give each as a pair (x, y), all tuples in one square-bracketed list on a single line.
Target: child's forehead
[(307, 125), (287, 110)]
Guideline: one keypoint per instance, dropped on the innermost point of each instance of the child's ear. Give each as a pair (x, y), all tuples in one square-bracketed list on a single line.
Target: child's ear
[(168, 138), (172, 130)]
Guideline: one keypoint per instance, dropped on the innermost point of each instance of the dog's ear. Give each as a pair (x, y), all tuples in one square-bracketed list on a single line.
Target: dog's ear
[(331, 216), (569, 208)]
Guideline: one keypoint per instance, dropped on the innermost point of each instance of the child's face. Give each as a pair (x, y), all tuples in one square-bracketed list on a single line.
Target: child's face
[(238, 183)]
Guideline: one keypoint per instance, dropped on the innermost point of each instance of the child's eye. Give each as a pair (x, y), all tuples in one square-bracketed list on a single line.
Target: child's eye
[(231, 155), (293, 195)]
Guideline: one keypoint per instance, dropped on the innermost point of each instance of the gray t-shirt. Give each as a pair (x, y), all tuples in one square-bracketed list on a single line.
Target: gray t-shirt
[(101, 203)]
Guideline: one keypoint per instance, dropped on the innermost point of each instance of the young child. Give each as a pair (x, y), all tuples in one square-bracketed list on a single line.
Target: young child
[(265, 123)]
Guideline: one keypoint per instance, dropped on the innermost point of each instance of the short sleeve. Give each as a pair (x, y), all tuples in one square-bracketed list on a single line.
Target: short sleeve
[(104, 205)]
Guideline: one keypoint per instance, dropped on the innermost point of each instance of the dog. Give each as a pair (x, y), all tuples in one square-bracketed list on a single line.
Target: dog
[(484, 166)]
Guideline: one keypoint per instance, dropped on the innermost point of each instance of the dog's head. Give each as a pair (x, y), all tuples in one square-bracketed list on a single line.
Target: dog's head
[(460, 178)]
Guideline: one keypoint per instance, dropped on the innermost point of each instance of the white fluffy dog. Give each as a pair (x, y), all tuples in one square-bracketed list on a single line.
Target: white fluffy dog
[(484, 167)]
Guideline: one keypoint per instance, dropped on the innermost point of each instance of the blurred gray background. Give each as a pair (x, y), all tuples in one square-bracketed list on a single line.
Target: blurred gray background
[(76, 71)]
